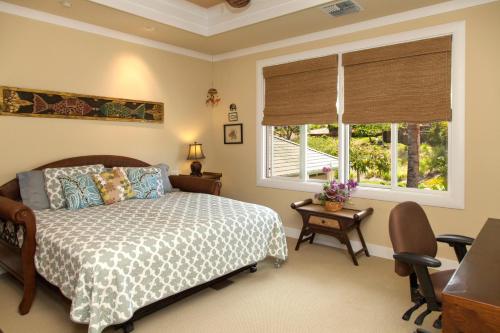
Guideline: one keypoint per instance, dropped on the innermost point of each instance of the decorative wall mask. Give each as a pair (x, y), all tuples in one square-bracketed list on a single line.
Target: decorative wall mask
[(213, 98), (50, 104), (232, 115)]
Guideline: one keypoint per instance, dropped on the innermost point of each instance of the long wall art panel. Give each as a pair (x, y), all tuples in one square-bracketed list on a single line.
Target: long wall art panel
[(38, 103)]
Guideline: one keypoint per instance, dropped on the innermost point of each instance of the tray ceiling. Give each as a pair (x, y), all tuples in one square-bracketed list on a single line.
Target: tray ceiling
[(273, 29)]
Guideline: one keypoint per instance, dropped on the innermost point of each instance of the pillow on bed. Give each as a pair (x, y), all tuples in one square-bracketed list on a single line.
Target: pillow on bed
[(147, 182), (53, 186), (32, 188), (167, 186), (113, 186), (80, 192)]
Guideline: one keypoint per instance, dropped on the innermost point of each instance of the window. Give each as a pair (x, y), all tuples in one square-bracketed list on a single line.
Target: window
[(301, 152), (395, 160)]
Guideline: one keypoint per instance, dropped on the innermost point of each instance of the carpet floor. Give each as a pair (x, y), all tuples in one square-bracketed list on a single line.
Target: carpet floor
[(317, 290)]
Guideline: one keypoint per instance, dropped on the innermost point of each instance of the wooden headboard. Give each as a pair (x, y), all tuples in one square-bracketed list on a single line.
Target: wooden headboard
[(11, 188)]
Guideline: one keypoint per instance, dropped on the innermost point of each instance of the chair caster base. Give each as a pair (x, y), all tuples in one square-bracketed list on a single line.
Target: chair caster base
[(409, 312), (253, 268), (421, 317)]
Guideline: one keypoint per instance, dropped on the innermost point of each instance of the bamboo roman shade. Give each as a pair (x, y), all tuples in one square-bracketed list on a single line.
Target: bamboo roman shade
[(302, 92), (403, 83)]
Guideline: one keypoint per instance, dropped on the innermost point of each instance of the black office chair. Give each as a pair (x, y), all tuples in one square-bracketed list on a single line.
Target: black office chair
[(415, 248)]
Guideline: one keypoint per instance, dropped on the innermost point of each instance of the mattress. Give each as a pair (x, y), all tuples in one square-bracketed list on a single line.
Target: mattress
[(112, 260)]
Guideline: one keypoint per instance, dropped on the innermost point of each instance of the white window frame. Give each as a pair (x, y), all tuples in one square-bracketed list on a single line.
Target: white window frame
[(454, 196)]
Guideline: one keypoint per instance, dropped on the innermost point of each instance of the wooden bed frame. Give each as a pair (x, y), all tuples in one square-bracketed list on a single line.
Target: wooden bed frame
[(19, 260)]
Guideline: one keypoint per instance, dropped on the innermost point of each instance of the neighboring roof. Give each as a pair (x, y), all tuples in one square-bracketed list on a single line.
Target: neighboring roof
[(286, 160), (319, 131)]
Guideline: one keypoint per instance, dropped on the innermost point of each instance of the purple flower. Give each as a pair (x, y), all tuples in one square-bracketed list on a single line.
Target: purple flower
[(338, 192)]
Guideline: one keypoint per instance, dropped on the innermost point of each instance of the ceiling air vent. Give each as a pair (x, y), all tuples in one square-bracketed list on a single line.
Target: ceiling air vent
[(340, 8)]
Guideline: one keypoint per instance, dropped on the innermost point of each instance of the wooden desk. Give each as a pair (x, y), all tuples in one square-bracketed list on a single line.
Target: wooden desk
[(315, 219), (471, 299)]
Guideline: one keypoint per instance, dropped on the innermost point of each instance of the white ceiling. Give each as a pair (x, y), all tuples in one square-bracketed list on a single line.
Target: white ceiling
[(208, 21)]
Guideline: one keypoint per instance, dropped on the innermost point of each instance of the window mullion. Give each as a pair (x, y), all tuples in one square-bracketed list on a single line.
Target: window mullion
[(394, 156), (343, 158), (303, 153)]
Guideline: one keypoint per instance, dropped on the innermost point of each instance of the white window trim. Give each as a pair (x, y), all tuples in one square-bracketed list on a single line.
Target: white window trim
[(454, 197)]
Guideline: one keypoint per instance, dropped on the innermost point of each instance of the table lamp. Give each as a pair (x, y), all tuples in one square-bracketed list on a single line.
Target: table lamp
[(195, 153)]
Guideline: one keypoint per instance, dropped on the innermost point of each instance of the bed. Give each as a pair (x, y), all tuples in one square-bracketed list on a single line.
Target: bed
[(114, 261)]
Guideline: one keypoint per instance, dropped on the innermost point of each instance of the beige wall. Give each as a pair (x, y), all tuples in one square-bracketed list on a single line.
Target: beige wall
[(236, 80), (44, 56)]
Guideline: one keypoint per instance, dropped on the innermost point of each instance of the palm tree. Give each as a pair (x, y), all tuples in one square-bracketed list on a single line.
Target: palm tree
[(412, 176)]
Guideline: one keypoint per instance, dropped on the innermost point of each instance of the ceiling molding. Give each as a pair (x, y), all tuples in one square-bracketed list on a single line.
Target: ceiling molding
[(98, 30), (208, 21), (37, 15), (177, 13), (413, 14)]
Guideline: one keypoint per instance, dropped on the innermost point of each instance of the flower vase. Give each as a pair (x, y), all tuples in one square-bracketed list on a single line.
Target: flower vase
[(333, 206)]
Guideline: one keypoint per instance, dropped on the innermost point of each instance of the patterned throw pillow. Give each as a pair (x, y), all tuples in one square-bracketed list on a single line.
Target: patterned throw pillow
[(53, 185), (80, 192), (113, 186), (146, 182)]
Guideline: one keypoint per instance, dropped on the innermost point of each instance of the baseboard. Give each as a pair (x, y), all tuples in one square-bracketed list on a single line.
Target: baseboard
[(374, 249)]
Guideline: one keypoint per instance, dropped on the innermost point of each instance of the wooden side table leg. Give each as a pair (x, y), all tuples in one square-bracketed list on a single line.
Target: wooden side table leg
[(311, 240), (349, 248), (362, 241), (302, 232)]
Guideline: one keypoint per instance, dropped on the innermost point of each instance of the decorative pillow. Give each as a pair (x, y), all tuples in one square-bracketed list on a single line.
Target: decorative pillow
[(146, 182), (32, 188), (80, 192), (167, 186), (113, 186), (53, 185)]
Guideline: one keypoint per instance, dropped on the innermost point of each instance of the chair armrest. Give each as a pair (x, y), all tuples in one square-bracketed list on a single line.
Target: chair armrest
[(455, 239), (298, 204), (417, 259), (196, 184), (458, 243)]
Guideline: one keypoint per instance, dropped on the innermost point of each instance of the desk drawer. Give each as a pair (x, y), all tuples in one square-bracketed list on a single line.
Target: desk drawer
[(325, 222)]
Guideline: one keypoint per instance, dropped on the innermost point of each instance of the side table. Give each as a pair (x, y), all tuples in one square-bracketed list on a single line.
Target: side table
[(315, 219), (210, 175)]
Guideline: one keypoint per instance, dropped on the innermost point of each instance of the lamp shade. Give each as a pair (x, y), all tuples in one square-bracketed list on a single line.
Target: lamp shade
[(195, 151)]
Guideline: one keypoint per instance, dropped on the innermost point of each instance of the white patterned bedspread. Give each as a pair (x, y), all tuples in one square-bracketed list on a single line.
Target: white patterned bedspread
[(112, 260)]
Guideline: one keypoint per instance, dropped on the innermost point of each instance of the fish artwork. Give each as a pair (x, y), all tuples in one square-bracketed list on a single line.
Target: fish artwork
[(118, 110), (13, 102), (156, 112), (69, 106), (26, 102)]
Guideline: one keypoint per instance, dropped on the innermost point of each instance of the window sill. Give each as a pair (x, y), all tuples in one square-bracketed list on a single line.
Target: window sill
[(423, 197)]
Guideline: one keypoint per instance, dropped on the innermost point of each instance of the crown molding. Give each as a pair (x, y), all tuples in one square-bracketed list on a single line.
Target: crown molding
[(98, 30), (177, 13), (413, 14), (444, 7), (208, 21)]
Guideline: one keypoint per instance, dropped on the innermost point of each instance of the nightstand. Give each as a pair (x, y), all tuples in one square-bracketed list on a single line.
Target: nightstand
[(212, 175), (209, 175), (315, 219)]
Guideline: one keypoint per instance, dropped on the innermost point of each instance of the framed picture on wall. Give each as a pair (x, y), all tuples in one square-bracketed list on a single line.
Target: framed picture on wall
[(233, 134), (232, 116)]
